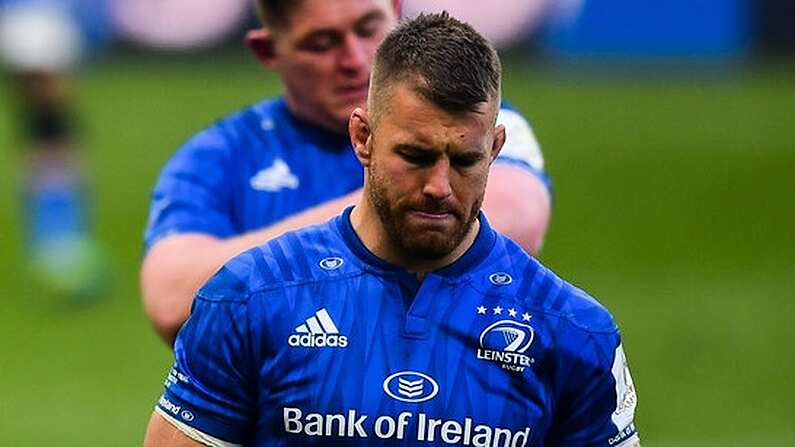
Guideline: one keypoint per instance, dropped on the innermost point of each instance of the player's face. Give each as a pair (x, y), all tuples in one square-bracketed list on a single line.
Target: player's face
[(427, 172), (325, 54)]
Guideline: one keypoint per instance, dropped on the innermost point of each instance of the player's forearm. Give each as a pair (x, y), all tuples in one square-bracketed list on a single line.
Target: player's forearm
[(518, 205), (177, 266)]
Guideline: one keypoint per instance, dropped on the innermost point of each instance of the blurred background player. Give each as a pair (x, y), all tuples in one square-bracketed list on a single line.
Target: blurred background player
[(286, 163), (40, 44)]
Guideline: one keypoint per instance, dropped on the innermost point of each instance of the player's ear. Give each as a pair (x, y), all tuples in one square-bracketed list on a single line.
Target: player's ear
[(499, 141), (260, 42), (396, 4), (360, 133)]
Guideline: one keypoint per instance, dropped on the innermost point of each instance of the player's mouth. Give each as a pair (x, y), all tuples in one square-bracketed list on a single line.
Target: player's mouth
[(433, 217)]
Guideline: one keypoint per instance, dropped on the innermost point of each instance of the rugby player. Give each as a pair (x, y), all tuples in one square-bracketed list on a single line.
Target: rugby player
[(407, 319), (41, 43), (285, 163)]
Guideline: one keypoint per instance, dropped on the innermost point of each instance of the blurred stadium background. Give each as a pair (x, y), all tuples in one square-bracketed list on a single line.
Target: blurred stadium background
[(669, 132)]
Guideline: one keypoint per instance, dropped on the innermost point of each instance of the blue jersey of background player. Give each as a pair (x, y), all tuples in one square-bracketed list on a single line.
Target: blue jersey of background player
[(407, 320), (287, 163)]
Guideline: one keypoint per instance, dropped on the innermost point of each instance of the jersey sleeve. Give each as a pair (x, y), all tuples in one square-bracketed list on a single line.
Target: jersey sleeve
[(210, 392), (521, 147), (598, 399), (193, 191)]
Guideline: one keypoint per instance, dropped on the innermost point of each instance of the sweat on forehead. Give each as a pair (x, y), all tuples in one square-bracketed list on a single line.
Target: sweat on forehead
[(443, 59)]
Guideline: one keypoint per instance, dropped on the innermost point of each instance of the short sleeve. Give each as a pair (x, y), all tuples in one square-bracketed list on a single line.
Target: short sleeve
[(598, 399), (211, 389), (193, 193), (521, 147)]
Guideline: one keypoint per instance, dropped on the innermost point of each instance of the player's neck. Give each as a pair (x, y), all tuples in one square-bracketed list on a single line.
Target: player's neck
[(367, 225), (310, 116)]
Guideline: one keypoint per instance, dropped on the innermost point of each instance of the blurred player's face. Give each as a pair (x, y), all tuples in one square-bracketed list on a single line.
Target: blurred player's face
[(325, 53), (427, 172)]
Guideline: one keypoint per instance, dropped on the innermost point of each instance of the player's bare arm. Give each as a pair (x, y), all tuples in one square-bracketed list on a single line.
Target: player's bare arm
[(161, 433), (519, 205), (176, 266)]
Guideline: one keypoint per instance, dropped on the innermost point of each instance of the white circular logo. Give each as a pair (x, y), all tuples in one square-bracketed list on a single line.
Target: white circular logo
[(331, 263), (500, 279), (411, 386), (186, 415)]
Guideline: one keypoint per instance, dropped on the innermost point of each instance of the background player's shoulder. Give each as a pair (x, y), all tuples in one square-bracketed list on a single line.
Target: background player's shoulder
[(311, 254), (521, 145)]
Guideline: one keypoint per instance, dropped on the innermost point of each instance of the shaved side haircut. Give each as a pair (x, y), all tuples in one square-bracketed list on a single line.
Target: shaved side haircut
[(444, 60)]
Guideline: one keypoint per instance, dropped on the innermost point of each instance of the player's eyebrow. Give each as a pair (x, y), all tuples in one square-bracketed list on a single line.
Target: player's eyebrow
[(372, 16), (335, 34), (413, 147)]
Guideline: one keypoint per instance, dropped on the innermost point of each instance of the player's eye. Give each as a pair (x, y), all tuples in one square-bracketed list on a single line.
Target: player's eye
[(418, 159), (466, 161), (368, 29), (320, 43), (370, 26)]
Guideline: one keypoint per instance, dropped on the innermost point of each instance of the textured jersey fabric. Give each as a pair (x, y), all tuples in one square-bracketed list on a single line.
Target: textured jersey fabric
[(311, 339), (261, 165)]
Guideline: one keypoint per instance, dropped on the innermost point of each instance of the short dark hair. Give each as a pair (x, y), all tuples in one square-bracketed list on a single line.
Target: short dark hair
[(275, 13), (447, 62)]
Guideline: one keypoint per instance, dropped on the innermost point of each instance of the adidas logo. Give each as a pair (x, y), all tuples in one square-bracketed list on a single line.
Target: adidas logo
[(319, 331), (275, 178)]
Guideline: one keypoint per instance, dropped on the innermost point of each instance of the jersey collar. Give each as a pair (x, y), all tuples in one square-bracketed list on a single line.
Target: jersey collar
[(476, 253)]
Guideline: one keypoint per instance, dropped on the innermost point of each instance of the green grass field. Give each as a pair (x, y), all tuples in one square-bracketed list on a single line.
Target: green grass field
[(674, 205)]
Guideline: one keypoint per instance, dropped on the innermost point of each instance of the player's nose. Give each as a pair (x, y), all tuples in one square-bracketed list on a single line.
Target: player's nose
[(437, 182), (353, 54)]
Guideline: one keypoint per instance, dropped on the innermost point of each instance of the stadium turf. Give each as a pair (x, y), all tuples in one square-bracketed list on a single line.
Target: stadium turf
[(673, 205)]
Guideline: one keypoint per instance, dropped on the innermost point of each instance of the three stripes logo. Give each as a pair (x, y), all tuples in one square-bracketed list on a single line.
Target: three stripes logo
[(319, 331)]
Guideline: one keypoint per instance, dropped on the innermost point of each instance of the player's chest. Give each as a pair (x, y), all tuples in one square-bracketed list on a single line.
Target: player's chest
[(452, 367)]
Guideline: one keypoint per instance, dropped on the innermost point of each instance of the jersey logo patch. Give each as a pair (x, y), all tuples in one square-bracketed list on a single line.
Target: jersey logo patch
[(319, 331), (626, 398), (275, 178), (506, 341), (411, 386), (500, 279), (331, 263)]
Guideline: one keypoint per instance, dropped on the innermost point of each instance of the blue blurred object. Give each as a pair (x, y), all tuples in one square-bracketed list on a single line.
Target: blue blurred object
[(65, 258), (713, 29)]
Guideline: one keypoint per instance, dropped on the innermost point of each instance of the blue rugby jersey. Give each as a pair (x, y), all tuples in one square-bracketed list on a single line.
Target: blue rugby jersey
[(261, 165), (311, 339)]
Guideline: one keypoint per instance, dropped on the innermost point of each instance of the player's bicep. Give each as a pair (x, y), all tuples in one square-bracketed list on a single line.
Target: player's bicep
[(164, 433), (518, 205)]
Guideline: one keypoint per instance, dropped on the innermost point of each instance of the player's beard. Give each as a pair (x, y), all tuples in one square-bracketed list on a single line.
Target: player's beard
[(418, 241)]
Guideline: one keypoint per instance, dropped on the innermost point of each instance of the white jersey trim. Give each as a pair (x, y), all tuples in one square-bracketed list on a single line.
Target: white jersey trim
[(629, 442), (194, 434), (520, 141)]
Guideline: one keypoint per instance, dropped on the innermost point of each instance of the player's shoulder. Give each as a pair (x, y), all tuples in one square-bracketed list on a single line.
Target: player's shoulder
[(521, 276), (521, 145), (240, 130), (308, 255)]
